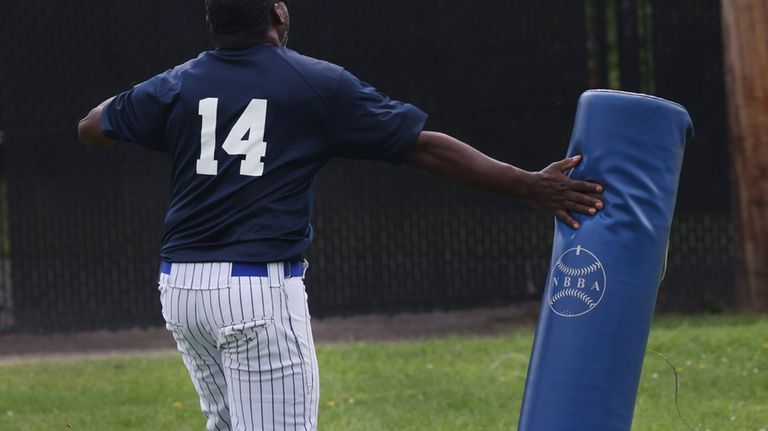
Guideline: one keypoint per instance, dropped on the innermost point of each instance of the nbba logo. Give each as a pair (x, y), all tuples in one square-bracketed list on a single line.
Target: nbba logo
[(577, 283)]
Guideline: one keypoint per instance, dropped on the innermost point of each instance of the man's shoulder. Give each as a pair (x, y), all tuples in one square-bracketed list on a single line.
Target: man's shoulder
[(167, 83), (175, 73), (313, 69), (305, 61)]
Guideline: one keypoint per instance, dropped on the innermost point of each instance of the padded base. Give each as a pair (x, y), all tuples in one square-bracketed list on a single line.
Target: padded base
[(601, 289)]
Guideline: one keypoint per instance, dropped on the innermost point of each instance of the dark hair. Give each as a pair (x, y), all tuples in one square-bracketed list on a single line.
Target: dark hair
[(230, 17)]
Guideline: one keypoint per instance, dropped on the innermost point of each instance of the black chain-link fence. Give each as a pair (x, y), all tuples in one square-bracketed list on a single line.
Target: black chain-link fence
[(80, 228)]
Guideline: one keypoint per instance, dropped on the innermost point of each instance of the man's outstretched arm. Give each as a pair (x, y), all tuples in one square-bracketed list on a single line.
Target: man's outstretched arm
[(89, 128), (548, 190)]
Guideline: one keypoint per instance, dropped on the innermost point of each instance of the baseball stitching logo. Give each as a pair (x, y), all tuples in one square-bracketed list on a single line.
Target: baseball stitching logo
[(577, 283)]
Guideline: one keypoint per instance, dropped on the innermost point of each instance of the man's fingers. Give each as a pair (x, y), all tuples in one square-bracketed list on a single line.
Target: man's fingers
[(586, 200), (579, 186), (579, 208), (585, 186), (578, 203), (564, 216), (568, 163)]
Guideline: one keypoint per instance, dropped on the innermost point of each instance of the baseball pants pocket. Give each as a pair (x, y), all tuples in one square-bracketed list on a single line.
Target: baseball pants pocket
[(245, 343)]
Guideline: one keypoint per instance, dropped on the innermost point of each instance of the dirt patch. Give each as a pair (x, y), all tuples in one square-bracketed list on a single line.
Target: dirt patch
[(486, 321)]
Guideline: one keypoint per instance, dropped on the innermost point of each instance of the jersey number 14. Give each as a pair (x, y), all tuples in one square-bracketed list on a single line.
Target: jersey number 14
[(251, 123)]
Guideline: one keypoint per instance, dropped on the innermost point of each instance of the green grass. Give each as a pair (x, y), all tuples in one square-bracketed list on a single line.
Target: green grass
[(443, 384)]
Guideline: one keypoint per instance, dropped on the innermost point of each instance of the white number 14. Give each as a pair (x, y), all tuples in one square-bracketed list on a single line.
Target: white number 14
[(252, 122)]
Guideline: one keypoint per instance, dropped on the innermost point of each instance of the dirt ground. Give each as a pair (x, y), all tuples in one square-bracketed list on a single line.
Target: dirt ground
[(485, 321)]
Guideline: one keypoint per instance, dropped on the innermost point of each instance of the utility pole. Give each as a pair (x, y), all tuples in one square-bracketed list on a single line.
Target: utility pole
[(745, 37)]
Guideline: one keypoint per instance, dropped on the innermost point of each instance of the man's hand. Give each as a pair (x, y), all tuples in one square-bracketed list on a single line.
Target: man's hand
[(551, 191), (89, 128)]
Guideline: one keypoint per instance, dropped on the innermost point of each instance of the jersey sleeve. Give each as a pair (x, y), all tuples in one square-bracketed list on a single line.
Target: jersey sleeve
[(366, 124), (138, 115)]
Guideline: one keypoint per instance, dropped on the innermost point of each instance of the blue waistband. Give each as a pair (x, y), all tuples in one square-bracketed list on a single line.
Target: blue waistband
[(241, 269)]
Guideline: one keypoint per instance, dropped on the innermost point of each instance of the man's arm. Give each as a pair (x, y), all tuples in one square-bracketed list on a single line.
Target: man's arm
[(548, 190), (89, 128)]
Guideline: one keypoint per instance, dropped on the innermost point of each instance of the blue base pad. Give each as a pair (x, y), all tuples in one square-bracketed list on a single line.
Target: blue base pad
[(601, 288)]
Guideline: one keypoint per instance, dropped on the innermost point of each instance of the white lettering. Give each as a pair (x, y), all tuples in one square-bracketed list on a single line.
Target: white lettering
[(251, 123)]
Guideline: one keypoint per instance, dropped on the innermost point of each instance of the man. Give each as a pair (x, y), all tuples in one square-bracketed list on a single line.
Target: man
[(247, 126)]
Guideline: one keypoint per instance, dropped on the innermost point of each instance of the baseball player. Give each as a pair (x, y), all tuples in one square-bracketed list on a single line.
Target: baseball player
[(247, 126)]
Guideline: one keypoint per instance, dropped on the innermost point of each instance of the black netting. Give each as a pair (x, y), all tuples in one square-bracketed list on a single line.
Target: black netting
[(689, 69), (80, 228)]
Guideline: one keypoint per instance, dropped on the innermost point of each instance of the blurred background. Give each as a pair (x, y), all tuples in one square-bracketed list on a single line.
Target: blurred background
[(80, 229)]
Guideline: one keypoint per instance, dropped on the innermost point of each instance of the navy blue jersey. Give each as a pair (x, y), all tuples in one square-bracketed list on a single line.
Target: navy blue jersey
[(247, 130)]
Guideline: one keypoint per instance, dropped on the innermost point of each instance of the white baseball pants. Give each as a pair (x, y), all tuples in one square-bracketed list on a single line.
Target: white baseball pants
[(247, 343)]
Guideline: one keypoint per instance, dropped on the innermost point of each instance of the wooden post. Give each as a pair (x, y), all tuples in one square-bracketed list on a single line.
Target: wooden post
[(745, 36)]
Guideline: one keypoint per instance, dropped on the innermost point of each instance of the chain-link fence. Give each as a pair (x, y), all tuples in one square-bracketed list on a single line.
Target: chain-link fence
[(80, 228)]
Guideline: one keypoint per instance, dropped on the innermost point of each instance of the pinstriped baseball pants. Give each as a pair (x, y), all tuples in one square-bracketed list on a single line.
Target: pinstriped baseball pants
[(247, 344)]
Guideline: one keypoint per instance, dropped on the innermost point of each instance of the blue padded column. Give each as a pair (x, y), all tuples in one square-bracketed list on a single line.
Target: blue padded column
[(603, 279)]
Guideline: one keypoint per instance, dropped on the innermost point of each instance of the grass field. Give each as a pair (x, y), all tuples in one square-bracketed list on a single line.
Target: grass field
[(440, 384)]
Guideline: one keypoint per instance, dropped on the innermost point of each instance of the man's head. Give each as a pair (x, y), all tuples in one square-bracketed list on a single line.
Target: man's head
[(239, 23)]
